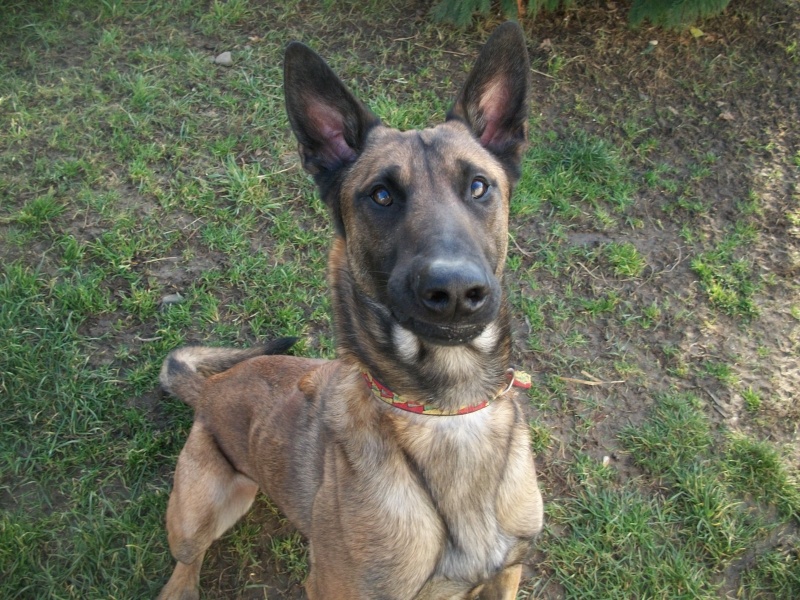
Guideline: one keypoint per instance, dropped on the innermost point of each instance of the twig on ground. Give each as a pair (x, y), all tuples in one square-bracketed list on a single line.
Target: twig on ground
[(593, 380)]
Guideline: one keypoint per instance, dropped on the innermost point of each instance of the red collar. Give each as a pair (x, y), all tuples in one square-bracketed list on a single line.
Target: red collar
[(518, 379)]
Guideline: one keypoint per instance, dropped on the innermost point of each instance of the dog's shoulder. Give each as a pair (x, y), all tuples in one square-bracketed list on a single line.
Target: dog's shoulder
[(316, 380)]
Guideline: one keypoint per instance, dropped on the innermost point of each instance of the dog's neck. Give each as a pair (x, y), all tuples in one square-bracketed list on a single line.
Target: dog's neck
[(444, 377)]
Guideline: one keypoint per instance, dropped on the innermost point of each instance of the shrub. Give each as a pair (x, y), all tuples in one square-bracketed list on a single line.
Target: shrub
[(670, 14), (674, 14)]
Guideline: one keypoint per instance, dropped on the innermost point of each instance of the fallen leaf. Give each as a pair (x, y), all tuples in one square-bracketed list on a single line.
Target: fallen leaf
[(727, 116), (696, 33)]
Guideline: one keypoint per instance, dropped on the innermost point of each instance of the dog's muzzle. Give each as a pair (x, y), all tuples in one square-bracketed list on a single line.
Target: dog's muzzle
[(446, 300)]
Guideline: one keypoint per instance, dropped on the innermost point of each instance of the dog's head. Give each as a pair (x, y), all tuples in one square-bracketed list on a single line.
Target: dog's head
[(424, 214)]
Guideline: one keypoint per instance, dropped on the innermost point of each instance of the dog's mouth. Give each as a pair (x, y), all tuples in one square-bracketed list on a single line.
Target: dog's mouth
[(441, 335)]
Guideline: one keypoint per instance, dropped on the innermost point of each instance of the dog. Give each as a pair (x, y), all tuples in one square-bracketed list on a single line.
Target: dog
[(405, 462)]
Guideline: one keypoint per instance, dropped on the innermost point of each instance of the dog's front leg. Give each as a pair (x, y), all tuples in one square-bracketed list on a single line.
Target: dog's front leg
[(330, 579), (503, 586), (208, 497), (183, 584)]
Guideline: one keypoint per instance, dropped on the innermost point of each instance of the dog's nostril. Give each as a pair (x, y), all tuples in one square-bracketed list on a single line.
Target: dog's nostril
[(475, 295), (437, 297)]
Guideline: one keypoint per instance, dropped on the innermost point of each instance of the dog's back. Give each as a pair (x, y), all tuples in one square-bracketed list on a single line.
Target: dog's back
[(184, 370)]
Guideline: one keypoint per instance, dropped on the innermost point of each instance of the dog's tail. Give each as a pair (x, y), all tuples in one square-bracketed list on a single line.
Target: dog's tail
[(184, 369)]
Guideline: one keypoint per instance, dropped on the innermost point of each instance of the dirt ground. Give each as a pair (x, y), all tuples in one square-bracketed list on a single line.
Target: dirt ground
[(700, 100)]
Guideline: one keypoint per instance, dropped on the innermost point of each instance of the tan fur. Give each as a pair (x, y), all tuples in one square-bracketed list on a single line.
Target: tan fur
[(395, 505), (370, 512)]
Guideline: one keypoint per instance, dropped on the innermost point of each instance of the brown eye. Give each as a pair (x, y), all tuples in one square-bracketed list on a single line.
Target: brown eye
[(380, 195), (479, 187)]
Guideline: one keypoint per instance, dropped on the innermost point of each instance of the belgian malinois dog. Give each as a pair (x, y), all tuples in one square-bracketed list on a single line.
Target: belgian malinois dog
[(405, 462)]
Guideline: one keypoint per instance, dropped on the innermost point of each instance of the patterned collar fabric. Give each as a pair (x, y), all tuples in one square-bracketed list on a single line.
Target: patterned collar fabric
[(518, 379)]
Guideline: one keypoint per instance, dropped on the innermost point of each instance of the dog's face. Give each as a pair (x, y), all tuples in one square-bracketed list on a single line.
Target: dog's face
[(423, 213)]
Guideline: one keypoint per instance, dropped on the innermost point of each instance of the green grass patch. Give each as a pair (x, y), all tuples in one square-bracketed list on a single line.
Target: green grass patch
[(572, 173), (721, 371), (40, 211), (623, 543), (675, 434), (83, 466), (291, 552), (727, 277), (540, 436), (776, 574), (756, 468), (728, 283), (601, 304), (625, 260)]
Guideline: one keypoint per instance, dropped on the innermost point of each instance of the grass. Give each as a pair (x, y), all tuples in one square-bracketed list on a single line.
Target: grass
[(625, 543), (776, 573), (291, 552), (728, 279), (132, 169), (625, 260), (79, 484), (572, 173), (621, 544)]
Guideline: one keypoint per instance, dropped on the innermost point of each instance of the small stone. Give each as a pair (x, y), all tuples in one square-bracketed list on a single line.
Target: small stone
[(225, 59), (171, 299)]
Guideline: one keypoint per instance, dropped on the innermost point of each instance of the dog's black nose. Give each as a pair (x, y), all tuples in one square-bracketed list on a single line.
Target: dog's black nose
[(452, 289)]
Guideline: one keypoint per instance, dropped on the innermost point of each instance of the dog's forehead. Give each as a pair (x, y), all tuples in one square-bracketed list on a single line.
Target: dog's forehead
[(442, 149)]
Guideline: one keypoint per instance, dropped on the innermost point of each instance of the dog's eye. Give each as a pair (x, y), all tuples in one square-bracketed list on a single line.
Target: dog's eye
[(380, 195), (479, 187)]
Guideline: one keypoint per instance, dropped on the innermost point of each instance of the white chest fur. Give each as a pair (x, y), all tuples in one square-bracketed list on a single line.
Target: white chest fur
[(466, 459)]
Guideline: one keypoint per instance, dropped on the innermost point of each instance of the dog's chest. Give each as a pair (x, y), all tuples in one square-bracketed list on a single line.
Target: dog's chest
[(462, 463)]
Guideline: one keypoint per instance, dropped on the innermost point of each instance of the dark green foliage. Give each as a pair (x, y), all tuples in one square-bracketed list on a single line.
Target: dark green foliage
[(460, 12), (674, 14), (670, 14)]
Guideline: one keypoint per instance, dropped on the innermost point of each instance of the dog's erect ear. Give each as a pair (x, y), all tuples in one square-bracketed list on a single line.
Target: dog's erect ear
[(494, 99), (329, 122)]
